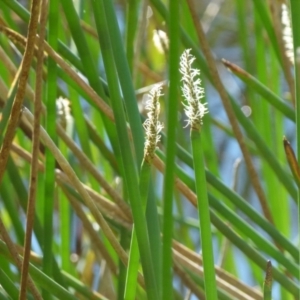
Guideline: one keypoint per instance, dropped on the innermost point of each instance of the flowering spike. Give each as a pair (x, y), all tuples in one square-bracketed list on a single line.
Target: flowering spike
[(161, 41), (287, 32), (63, 111), (152, 125), (192, 91)]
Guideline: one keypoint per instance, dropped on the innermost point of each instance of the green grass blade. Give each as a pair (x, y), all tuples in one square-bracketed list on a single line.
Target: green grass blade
[(131, 22), (132, 269), (171, 124), (261, 9), (8, 285), (50, 161), (125, 81), (82, 46), (203, 214), (261, 89), (131, 176)]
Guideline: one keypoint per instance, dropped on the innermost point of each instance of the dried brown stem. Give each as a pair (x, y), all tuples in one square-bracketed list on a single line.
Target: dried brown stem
[(18, 101), (11, 128), (35, 151)]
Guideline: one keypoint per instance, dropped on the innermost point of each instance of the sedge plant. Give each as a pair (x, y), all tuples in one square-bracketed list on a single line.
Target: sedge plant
[(152, 127), (195, 111)]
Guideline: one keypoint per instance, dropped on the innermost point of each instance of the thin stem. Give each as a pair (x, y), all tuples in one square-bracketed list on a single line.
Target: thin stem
[(49, 179), (35, 150), (203, 213), (18, 101), (133, 264), (171, 124)]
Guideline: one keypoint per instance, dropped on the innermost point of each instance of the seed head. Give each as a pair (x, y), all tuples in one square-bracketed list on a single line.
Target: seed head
[(152, 125), (192, 91), (287, 32), (161, 41)]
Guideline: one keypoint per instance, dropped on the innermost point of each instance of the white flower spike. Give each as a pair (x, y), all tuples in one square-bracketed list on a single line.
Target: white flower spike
[(192, 91), (152, 125), (287, 32)]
